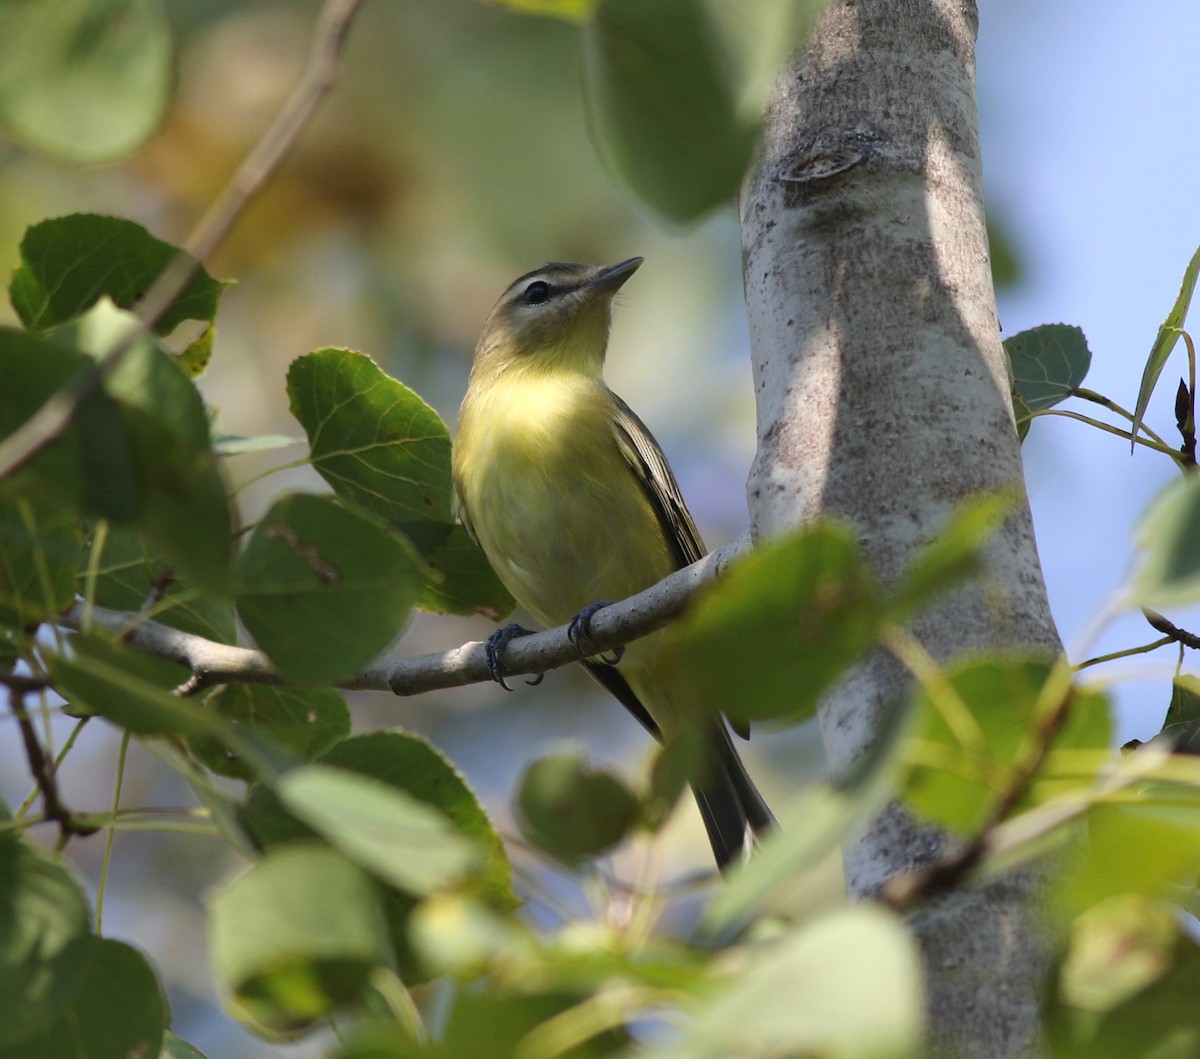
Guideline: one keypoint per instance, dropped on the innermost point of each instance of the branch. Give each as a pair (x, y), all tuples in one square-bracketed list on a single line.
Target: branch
[(49, 421), (214, 663), (1173, 632)]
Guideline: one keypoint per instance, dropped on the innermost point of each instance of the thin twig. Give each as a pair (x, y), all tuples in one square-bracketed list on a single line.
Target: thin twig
[(43, 773), (49, 421), (214, 663), (1173, 632)]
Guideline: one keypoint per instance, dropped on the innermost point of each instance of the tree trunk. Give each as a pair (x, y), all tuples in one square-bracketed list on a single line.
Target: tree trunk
[(882, 397)]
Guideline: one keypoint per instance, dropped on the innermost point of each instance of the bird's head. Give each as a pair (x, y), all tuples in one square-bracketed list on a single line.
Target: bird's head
[(557, 315)]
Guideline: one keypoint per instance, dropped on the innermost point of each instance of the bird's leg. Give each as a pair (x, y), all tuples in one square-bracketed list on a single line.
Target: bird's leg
[(493, 650), (580, 629)]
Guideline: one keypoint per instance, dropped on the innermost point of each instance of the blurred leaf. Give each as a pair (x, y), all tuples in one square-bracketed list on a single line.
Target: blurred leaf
[(967, 740), (84, 80), (40, 549), (1134, 849), (1161, 1021), (1008, 269), (1168, 534), (954, 553), (847, 985), (485, 1026), (772, 635), (1118, 947), (90, 465), (126, 687), (118, 1009), (236, 445), (69, 263), (1185, 700), (128, 571), (303, 722), (571, 10), (296, 936), (1164, 341), (1045, 364), (382, 448), (322, 589), (572, 811), (43, 935), (410, 764), (759, 36), (385, 830), (453, 934), (663, 105)]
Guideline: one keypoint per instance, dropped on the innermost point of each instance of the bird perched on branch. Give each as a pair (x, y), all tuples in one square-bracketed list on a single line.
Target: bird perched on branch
[(574, 504)]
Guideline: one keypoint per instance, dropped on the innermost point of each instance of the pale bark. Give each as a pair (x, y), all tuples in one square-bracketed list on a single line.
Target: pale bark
[(882, 398)]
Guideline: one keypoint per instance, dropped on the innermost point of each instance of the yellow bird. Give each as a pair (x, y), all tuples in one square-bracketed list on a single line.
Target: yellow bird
[(574, 504)]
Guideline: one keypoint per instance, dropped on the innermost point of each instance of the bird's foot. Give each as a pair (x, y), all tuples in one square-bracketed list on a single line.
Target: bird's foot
[(580, 629), (493, 650)]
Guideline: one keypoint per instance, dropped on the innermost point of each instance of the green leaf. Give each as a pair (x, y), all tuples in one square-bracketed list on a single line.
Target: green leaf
[(1118, 948), (1164, 341), (323, 590), (43, 934), (185, 510), (1185, 700), (485, 1026), (847, 985), (118, 1009), (774, 633), (126, 687), (1168, 573), (1134, 849), (572, 811), (571, 10), (296, 936), (194, 357), (954, 553), (90, 466), (412, 765), (1159, 1022), (302, 722), (467, 585), (129, 571), (972, 732), (664, 106), (69, 263), (454, 934), (1045, 364), (177, 1048), (84, 80), (40, 549), (392, 834), (381, 448)]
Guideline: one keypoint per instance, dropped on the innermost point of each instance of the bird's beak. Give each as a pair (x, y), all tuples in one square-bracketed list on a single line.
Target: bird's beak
[(612, 277)]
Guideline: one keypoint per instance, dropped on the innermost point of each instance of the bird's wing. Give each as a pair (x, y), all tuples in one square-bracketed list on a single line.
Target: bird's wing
[(642, 452), (640, 449)]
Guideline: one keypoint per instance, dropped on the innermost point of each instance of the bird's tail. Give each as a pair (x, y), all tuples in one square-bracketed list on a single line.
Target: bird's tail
[(730, 805)]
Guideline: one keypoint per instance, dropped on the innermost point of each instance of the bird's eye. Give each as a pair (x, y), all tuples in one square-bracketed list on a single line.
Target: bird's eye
[(536, 293)]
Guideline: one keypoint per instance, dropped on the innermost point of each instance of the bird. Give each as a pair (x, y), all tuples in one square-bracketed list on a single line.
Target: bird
[(574, 504)]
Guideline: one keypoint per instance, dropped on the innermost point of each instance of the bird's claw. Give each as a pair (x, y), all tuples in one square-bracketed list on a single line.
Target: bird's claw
[(579, 629), (493, 650)]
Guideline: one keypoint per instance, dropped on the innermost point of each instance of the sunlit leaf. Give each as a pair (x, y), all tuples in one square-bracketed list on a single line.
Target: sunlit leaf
[(69, 263), (768, 638)]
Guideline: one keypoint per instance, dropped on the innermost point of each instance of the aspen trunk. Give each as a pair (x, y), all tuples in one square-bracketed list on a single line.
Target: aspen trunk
[(882, 397)]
